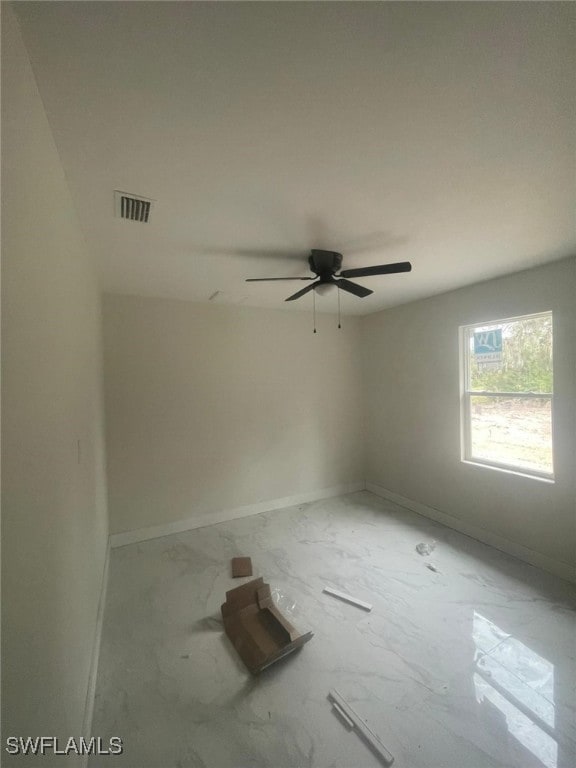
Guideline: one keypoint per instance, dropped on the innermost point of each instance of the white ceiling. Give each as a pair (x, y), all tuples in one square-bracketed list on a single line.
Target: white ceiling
[(442, 134)]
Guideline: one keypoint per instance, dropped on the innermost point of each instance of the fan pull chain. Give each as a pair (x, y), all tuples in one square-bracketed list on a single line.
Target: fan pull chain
[(339, 326), (314, 305)]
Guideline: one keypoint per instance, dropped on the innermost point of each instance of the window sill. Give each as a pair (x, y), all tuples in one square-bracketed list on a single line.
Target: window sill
[(509, 471)]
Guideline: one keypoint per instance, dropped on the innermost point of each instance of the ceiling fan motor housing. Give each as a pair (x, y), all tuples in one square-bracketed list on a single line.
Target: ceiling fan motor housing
[(325, 263)]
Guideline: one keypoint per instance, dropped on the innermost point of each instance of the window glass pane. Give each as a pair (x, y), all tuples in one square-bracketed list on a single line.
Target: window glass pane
[(513, 356), (516, 431)]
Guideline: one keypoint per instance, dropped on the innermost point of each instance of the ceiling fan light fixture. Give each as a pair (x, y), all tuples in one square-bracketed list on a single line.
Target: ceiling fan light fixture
[(324, 288)]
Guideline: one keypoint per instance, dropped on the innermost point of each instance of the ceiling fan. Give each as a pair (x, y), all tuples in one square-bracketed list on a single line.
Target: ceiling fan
[(325, 265)]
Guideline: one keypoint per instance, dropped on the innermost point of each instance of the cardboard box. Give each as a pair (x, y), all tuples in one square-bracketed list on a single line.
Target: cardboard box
[(241, 566), (257, 629)]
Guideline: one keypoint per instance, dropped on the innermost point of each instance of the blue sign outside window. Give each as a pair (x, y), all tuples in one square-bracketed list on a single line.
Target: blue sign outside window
[(488, 342)]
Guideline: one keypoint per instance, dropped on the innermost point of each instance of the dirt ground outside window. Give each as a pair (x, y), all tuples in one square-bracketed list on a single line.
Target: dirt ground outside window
[(512, 431)]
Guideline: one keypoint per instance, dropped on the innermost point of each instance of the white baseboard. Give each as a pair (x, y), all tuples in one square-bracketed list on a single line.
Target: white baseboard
[(564, 570), (91, 691), (223, 516)]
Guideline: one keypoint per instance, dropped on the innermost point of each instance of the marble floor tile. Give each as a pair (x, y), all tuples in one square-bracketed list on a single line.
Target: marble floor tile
[(471, 665)]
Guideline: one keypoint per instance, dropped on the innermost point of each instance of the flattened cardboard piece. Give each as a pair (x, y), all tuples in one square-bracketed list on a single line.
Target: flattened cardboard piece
[(241, 566), (257, 629)]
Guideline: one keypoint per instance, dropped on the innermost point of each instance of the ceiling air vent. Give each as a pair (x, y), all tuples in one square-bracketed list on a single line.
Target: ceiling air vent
[(132, 207)]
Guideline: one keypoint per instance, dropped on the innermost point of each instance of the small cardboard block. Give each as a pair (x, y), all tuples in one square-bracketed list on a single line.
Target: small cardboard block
[(241, 566), (257, 629)]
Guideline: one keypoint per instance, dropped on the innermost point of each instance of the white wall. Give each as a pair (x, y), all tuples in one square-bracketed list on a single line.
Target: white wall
[(211, 408), (54, 527), (411, 359)]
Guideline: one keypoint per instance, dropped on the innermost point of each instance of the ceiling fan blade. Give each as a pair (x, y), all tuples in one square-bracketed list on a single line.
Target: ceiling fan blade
[(357, 290), (301, 292), (382, 269), (268, 279)]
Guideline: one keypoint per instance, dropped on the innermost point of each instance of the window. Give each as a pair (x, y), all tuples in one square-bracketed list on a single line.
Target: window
[(507, 394)]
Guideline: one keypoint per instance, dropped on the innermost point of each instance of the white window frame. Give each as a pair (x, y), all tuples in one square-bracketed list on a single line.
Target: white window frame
[(466, 394)]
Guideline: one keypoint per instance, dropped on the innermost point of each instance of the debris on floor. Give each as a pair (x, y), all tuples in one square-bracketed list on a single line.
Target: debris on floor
[(432, 567), (425, 549), (353, 720), (257, 629), (241, 566), (348, 598)]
